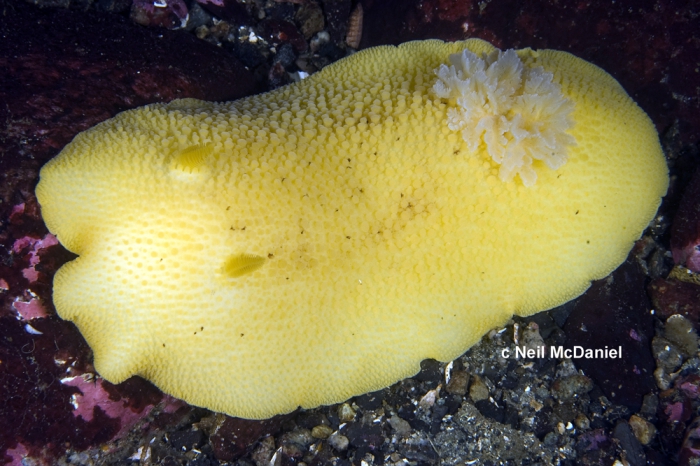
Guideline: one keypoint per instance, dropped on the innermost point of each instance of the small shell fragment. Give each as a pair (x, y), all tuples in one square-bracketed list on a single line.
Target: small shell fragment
[(29, 329), (346, 413), (429, 398)]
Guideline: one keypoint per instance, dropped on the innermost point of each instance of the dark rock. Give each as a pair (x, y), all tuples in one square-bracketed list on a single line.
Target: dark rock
[(136, 392), (285, 56), (511, 417), (674, 412), (282, 11), (595, 448), (310, 17), (632, 449), (278, 32), (439, 411), (569, 387), (417, 424), (637, 51), (370, 401), (615, 412), (337, 14), (543, 422), (681, 333), (689, 454), (277, 76), (561, 313), (491, 410), (459, 381), (544, 321), (685, 232), (298, 436), (430, 373), (113, 6), (676, 297), (651, 255), (333, 418), (369, 437), (658, 458), (230, 11), (59, 3), (291, 454), (668, 357), (247, 53), (650, 404), (598, 422), (331, 52), (65, 71), (556, 338), (550, 440), (453, 403), (186, 440), (171, 15), (204, 460), (198, 17), (35, 406), (614, 312), (509, 381), (167, 461), (423, 453), (564, 412), (309, 420), (234, 437)]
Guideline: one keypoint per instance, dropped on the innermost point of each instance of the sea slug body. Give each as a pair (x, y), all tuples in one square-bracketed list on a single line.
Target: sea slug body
[(303, 246)]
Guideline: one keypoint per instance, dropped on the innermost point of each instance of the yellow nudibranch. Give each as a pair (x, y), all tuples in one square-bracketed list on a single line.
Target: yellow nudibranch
[(317, 242)]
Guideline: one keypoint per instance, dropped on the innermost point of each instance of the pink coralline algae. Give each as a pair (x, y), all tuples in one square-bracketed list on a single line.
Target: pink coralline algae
[(31, 247), (28, 310), (16, 455), (52, 401), (17, 210), (690, 386), (95, 402), (676, 412), (92, 395)]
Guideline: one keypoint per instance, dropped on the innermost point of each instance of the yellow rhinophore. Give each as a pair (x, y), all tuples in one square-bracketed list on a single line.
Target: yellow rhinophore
[(317, 242)]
